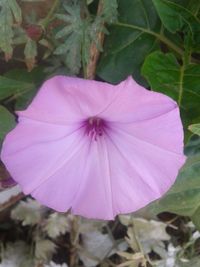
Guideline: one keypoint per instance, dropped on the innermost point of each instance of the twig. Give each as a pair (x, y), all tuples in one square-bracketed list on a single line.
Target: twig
[(45, 22), (94, 51), (138, 244), (12, 201), (74, 238)]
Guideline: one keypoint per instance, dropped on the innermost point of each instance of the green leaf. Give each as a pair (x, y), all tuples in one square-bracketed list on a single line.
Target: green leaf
[(196, 218), (30, 50), (21, 85), (89, 2), (168, 12), (195, 128), (130, 41), (194, 7), (181, 2), (165, 75), (16, 10), (193, 146), (35, 76), (9, 87), (10, 13), (73, 32), (184, 197), (175, 18), (30, 53), (6, 32), (64, 32), (32, 80), (7, 122), (77, 36), (110, 11)]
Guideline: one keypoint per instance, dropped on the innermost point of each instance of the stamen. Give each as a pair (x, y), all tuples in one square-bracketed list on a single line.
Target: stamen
[(94, 128)]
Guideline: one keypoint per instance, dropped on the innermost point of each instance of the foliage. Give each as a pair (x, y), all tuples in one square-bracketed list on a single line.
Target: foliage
[(29, 212), (80, 31), (10, 14), (195, 128), (130, 40), (56, 225), (178, 81), (95, 243), (7, 122)]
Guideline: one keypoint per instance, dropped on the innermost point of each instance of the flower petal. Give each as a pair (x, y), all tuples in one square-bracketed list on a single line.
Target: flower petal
[(134, 103), (59, 190), (141, 172), (70, 99), (94, 198), (164, 131), (34, 151), (66, 99), (117, 166)]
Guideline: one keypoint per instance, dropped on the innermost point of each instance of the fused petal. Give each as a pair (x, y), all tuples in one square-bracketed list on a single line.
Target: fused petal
[(95, 148), (64, 99)]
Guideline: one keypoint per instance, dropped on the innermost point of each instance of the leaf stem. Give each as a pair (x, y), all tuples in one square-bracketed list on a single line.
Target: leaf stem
[(182, 69), (159, 36), (45, 22)]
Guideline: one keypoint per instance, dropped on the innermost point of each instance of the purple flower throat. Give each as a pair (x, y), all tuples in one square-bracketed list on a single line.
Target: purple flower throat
[(95, 127)]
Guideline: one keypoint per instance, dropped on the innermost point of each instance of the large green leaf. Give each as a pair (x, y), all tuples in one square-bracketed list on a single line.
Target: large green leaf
[(138, 31), (129, 41), (176, 17), (184, 197), (167, 76), (7, 122), (20, 85), (35, 77), (9, 86)]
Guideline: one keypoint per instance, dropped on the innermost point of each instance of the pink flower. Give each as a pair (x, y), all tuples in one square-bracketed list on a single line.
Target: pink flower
[(96, 148)]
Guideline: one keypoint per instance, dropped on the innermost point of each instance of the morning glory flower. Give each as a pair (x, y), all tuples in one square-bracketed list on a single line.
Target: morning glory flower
[(95, 148)]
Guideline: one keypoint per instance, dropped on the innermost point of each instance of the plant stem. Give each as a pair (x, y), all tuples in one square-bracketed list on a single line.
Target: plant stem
[(84, 64), (182, 69), (12, 201), (45, 22), (137, 242), (160, 37), (94, 51), (74, 240)]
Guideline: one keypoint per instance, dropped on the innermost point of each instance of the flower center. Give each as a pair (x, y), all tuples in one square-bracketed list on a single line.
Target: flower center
[(94, 128)]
